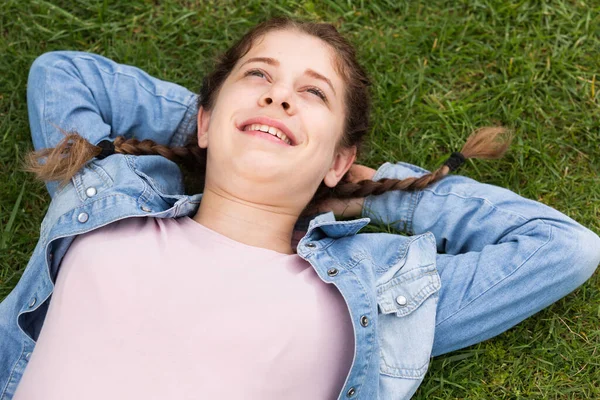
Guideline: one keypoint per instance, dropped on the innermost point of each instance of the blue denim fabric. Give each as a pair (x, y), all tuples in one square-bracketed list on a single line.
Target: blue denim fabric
[(479, 259)]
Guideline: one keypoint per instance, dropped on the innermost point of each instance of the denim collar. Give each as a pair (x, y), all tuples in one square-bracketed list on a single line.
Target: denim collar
[(327, 223)]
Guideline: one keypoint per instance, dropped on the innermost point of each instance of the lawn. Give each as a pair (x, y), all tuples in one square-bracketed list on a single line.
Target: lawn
[(439, 70)]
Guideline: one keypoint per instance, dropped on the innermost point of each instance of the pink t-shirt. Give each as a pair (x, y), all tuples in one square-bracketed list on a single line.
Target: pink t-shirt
[(149, 308)]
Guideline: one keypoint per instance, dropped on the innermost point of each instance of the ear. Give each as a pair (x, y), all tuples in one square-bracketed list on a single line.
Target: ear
[(341, 164), (203, 122)]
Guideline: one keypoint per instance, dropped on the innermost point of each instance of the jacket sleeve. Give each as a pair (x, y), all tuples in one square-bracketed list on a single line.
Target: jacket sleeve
[(100, 99), (467, 216)]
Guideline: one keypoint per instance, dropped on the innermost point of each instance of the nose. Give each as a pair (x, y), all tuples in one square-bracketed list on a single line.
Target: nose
[(279, 96), (284, 104)]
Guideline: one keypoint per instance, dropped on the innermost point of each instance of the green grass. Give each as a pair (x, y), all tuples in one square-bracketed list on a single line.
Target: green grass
[(440, 69)]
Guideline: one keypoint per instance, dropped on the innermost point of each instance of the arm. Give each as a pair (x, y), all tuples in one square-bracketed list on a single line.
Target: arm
[(466, 215), (505, 257), (100, 99)]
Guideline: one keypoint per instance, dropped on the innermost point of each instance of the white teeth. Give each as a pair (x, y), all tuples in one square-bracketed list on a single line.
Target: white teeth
[(268, 129)]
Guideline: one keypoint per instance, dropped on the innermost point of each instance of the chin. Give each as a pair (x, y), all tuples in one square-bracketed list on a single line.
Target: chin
[(260, 170)]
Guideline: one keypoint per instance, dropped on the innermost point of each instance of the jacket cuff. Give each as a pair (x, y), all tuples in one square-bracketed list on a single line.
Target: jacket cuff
[(395, 208), (188, 125)]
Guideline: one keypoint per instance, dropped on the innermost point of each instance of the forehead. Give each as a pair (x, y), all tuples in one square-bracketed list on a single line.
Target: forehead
[(297, 50)]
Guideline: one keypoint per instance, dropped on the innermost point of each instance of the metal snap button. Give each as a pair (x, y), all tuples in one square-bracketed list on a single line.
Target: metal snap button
[(364, 321), (351, 392), (27, 355), (32, 302), (401, 300), (311, 245), (332, 271), (83, 217), (146, 209), (90, 192)]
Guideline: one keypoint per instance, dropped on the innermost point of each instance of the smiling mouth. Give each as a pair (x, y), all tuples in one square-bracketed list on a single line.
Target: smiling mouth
[(271, 130)]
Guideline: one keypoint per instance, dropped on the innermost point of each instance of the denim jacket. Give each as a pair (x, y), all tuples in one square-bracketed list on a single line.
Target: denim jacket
[(478, 260)]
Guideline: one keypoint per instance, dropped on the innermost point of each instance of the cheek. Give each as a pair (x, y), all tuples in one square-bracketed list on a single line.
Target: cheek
[(328, 127), (234, 94)]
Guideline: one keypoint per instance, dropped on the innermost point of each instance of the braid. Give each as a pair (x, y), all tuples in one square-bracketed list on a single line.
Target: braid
[(62, 162), (484, 143), (189, 155)]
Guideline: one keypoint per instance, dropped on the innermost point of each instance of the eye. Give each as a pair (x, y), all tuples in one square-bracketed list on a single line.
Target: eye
[(317, 92), (255, 72)]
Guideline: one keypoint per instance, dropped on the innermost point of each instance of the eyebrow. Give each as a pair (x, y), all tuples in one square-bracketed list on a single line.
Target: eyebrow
[(309, 72)]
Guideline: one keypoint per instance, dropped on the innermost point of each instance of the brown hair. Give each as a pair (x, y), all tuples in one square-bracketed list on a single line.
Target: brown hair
[(64, 161)]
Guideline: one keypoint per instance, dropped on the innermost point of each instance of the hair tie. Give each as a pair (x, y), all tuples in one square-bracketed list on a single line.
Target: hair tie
[(455, 160), (108, 148)]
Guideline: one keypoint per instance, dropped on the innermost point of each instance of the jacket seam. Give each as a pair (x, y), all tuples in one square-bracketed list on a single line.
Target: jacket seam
[(88, 59), (371, 343), (405, 373), (549, 238), (418, 299), (143, 197), (12, 373), (483, 199), (101, 173), (402, 250), (44, 116), (415, 197), (182, 133)]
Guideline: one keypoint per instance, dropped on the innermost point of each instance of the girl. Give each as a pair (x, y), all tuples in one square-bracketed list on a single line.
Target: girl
[(136, 290)]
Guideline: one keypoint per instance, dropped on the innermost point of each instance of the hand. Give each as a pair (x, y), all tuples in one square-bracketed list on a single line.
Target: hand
[(346, 207)]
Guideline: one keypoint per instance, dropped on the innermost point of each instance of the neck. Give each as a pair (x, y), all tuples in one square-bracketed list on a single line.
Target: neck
[(258, 225)]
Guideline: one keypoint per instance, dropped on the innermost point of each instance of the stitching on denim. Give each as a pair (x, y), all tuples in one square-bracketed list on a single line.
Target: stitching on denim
[(409, 276), (485, 200), (43, 116), (403, 248), (430, 291), (102, 174), (414, 199), (78, 185), (143, 197), (400, 253), (369, 199), (87, 229), (419, 298), (117, 72), (183, 129), (10, 377), (550, 236), (371, 342), (355, 259), (405, 373), (409, 373)]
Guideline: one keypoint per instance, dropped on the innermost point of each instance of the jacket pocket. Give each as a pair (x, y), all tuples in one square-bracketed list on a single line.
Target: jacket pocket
[(407, 307)]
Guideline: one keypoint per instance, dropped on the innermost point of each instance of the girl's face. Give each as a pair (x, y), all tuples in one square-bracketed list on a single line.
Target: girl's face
[(286, 83)]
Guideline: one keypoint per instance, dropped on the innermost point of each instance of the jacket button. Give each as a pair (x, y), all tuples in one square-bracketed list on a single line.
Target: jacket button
[(351, 392), (90, 192), (27, 355), (311, 245), (401, 300), (32, 302), (83, 217), (364, 321), (332, 271), (146, 209)]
